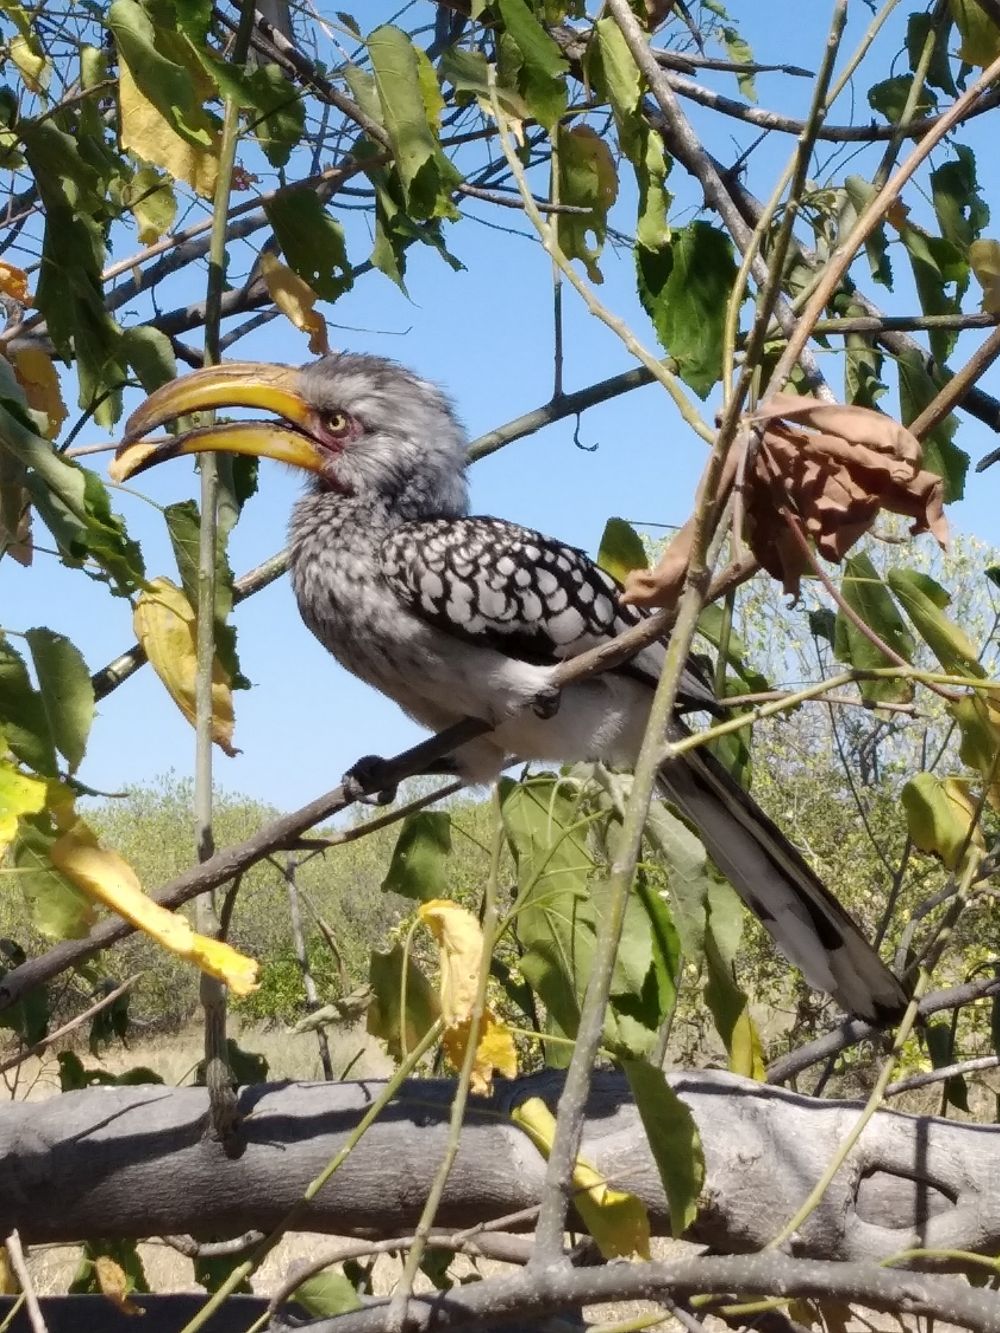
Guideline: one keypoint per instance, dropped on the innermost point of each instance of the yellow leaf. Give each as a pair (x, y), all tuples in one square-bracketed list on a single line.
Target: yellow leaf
[(939, 813), (107, 878), (495, 1050), (984, 260), (9, 1285), (296, 300), (14, 283), (19, 795), (37, 377), (165, 625), (746, 1054), (618, 1221), (113, 1282), (35, 69), (460, 942), (151, 137)]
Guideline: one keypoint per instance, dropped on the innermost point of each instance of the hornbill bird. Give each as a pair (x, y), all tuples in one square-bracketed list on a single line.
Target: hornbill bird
[(455, 616)]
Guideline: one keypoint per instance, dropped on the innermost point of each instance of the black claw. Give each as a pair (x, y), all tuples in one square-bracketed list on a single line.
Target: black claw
[(365, 781), (546, 703)]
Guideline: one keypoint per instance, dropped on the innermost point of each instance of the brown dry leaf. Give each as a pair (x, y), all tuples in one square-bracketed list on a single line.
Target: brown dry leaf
[(296, 300), (661, 585), (15, 512), (113, 1282), (107, 878), (834, 467), (14, 283), (165, 625), (151, 137), (37, 377)]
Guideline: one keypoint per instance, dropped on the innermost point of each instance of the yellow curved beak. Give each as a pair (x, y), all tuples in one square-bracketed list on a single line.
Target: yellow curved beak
[(236, 384)]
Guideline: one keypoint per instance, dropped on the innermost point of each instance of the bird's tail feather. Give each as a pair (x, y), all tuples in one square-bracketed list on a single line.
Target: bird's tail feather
[(806, 921)]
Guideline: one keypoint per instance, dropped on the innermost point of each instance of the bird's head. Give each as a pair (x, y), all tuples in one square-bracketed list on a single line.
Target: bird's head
[(361, 425)]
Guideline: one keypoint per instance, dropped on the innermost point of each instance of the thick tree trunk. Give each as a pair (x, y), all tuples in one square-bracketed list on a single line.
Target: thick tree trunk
[(135, 1161)]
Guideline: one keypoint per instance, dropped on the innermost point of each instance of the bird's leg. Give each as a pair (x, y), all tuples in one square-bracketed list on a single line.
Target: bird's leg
[(546, 702), (365, 781)]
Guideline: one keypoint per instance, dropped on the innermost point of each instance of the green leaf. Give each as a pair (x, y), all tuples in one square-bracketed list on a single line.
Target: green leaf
[(312, 242), (958, 203), (673, 1139), (621, 549), (860, 193), (327, 1293), (150, 196), (980, 730), (918, 28), (555, 920), (212, 1272), (385, 1013), (59, 911), (66, 692), (941, 1049), (864, 592), (924, 601), (542, 76), (427, 176), (740, 52), (614, 71), (939, 815), (937, 265), (917, 388), (419, 865), (587, 179), (889, 98), (280, 121), (28, 1017), (184, 524), (70, 291), (150, 354), (468, 73), (25, 724), (979, 32), (688, 877), (684, 288), (727, 1001)]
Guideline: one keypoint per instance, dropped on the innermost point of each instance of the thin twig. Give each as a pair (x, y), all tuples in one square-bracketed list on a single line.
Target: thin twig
[(19, 1264), (52, 1037)]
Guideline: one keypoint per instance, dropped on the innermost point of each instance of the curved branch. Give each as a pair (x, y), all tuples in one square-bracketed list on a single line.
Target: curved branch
[(912, 1182)]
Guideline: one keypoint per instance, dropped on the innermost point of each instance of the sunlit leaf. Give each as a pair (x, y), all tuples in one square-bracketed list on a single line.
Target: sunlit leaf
[(107, 878), (151, 198), (978, 30), (727, 1001), (621, 549), (587, 179), (617, 1221), (542, 76), (35, 69), (19, 795), (939, 815), (984, 257), (58, 909), (148, 134), (25, 725), (37, 376), (327, 1294), (165, 624), (460, 950), (495, 1051), (924, 601), (14, 283), (918, 387), (297, 302)]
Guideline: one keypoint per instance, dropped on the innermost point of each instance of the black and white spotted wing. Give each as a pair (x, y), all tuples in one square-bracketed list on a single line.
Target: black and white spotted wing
[(495, 582)]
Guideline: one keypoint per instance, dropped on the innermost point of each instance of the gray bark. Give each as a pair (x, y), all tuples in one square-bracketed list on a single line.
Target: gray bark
[(135, 1161)]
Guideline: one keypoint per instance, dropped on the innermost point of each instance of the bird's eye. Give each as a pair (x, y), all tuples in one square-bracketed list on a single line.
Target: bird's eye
[(337, 423)]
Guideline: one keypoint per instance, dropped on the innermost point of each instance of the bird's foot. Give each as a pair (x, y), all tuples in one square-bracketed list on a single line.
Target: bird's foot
[(546, 702), (365, 781)]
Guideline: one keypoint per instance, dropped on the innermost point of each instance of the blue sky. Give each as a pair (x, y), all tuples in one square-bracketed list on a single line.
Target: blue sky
[(485, 334)]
